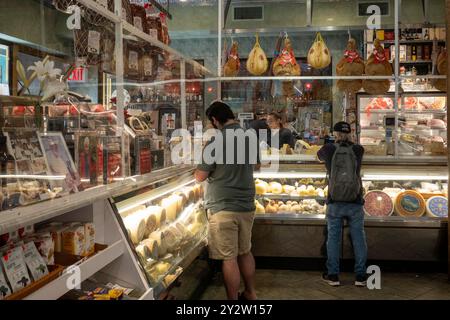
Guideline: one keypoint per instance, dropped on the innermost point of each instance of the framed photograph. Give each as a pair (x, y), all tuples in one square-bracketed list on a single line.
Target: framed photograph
[(59, 162)]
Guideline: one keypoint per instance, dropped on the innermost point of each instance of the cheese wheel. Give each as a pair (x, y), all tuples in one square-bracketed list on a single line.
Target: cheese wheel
[(183, 200), (189, 194), (378, 204), (261, 186), (259, 208), (288, 189), (158, 236), (135, 226), (151, 248), (159, 213), (197, 191), (149, 220), (410, 203), (170, 204), (131, 211), (437, 207), (143, 252), (275, 187)]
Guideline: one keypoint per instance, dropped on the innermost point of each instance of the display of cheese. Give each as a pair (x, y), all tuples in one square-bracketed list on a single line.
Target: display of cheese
[(378, 203), (410, 204), (261, 186), (172, 205), (195, 228), (142, 252), (198, 190), (288, 189), (437, 207), (172, 237), (135, 225), (275, 187), (133, 210), (189, 194)]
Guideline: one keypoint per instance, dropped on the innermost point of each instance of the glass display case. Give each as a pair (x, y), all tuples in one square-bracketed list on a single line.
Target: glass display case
[(415, 128), (165, 224)]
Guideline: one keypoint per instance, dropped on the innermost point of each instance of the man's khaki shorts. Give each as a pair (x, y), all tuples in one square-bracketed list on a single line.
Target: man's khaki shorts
[(230, 234)]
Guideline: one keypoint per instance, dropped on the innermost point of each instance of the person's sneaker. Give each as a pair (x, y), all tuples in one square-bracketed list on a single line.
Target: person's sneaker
[(331, 279), (361, 280)]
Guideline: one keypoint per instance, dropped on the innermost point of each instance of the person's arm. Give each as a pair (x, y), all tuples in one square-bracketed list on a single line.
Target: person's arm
[(322, 154), (204, 169)]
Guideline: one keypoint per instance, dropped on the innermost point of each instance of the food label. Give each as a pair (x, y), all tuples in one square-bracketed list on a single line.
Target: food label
[(74, 241), (410, 203), (46, 248), (94, 42), (16, 269), (133, 59), (438, 206), (137, 21), (148, 66), (34, 261), (145, 161), (153, 33)]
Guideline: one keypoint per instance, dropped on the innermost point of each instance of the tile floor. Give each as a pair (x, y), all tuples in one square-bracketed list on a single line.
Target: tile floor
[(307, 285)]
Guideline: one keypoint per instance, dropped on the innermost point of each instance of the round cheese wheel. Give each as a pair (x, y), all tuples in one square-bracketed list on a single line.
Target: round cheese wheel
[(158, 236), (410, 203), (378, 204), (151, 248), (288, 189), (149, 220), (275, 187), (189, 194), (261, 186), (135, 226), (170, 204), (159, 213), (142, 252), (437, 207)]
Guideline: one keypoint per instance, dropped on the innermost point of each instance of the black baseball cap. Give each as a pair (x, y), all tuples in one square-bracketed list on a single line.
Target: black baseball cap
[(343, 127)]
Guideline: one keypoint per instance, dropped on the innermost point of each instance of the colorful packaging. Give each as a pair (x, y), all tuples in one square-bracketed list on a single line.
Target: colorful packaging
[(16, 269), (4, 287), (89, 233), (46, 247), (35, 262), (73, 240)]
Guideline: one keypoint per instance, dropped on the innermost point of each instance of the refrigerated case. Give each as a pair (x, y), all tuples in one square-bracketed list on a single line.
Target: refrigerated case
[(414, 129), (165, 226), (291, 220)]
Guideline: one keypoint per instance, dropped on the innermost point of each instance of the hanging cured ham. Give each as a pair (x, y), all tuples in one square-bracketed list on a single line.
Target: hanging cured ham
[(377, 65), (286, 65), (351, 64), (231, 67)]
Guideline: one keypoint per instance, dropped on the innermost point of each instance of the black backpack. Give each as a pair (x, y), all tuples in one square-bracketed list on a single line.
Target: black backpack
[(344, 184)]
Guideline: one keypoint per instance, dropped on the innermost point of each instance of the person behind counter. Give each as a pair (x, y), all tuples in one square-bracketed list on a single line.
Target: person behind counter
[(230, 203), (279, 132), (260, 123), (345, 201)]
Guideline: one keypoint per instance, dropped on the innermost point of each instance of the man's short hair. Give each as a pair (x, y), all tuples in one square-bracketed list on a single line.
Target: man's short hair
[(220, 111)]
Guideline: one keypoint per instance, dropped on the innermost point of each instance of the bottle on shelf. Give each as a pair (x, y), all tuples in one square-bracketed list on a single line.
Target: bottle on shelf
[(414, 53)]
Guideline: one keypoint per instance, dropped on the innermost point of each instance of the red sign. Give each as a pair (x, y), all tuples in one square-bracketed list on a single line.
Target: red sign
[(78, 75)]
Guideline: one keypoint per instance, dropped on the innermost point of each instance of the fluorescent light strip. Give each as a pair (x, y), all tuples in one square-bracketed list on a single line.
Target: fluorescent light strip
[(288, 175), (138, 203)]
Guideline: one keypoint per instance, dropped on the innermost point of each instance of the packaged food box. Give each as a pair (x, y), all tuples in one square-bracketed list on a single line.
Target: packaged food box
[(89, 233), (73, 240), (35, 262)]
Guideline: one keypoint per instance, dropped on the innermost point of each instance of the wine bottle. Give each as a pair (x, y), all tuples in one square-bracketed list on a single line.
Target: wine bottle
[(414, 53)]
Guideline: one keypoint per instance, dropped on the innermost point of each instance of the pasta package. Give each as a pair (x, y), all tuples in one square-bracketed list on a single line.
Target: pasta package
[(35, 263), (73, 240), (15, 269), (4, 287)]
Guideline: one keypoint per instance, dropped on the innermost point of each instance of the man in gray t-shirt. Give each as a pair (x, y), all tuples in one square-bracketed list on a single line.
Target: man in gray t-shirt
[(230, 199)]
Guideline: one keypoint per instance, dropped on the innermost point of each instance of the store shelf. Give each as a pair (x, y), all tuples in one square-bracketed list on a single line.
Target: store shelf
[(416, 62), (410, 41), (289, 157), (13, 219), (289, 197), (87, 268)]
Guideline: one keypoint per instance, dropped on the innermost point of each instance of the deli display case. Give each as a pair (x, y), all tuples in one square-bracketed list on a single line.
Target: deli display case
[(406, 213), (414, 129), (166, 226)]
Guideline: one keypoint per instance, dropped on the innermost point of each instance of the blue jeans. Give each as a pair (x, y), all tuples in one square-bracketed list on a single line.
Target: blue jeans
[(336, 212)]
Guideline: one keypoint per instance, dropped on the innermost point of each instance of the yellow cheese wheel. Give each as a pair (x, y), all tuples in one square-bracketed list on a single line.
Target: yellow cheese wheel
[(151, 247), (135, 226), (410, 204), (158, 236), (143, 252), (275, 187), (159, 213), (288, 189), (259, 208), (261, 186), (171, 205), (149, 220)]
